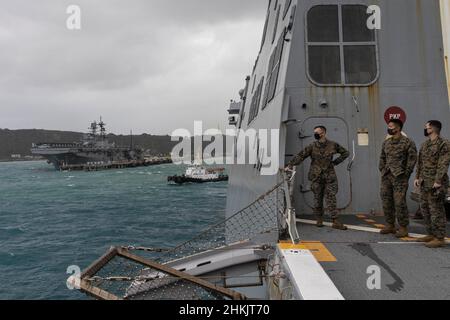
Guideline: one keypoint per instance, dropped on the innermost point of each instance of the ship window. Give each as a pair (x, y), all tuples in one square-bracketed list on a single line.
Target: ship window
[(287, 5), (354, 24), (341, 49), (323, 24), (254, 83), (325, 64), (254, 108), (360, 64), (275, 28), (273, 71), (265, 29)]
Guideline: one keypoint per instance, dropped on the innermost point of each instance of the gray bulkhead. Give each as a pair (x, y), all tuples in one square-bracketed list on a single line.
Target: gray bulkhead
[(410, 74), (246, 182), (401, 65)]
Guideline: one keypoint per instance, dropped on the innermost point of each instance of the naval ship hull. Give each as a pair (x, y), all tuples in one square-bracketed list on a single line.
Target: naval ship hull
[(61, 157)]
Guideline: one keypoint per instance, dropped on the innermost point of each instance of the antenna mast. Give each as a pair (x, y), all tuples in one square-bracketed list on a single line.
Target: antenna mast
[(131, 139), (102, 126)]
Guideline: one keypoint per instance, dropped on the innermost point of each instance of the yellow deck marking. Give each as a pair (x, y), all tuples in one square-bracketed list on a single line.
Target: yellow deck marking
[(317, 248), (379, 226), (370, 221), (361, 216)]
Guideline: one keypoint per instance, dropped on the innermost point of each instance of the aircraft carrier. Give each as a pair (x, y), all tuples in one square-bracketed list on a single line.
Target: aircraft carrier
[(93, 152)]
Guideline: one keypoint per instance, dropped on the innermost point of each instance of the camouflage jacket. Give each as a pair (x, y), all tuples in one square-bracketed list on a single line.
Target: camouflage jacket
[(434, 161), (398, 156), (322, 155)]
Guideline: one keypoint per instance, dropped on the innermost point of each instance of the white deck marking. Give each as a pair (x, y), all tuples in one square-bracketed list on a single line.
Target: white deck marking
[(365, 229)]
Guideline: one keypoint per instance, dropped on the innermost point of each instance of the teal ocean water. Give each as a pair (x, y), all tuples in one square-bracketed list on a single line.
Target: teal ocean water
[(51, 220)]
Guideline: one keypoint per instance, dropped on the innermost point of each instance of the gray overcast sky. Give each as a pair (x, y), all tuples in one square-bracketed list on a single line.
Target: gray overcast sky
[(148, 65)]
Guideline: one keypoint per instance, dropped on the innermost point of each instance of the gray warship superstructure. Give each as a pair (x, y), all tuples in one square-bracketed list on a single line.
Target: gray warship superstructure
[(93, 150), (322, 62), (319, 64)]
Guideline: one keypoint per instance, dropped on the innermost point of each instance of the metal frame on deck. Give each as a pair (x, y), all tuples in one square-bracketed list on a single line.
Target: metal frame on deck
[(91, 271)]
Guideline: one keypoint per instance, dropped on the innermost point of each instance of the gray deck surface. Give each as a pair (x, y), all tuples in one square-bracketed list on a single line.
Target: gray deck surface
[(409, 270)]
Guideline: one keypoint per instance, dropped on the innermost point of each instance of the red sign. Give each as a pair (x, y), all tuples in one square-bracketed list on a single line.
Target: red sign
[(395, 113)]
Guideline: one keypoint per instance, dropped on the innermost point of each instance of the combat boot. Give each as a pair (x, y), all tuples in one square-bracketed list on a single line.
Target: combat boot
[(426, 239), (390, 229), (319, 222), (339, 225), (436, 243), (402, 233), (418, 215)]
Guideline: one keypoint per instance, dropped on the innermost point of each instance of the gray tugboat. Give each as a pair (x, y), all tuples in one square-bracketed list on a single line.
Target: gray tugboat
[(92, 153)]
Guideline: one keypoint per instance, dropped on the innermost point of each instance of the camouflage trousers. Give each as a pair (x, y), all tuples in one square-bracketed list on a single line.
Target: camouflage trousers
[(393, 196), (433, 210), (325, 188)]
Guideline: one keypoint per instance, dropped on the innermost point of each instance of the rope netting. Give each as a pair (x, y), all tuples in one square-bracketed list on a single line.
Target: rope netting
[(124, 275), (263, 216)]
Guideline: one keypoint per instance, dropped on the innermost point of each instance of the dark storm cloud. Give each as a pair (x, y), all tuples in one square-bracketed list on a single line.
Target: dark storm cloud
[(152, 65)]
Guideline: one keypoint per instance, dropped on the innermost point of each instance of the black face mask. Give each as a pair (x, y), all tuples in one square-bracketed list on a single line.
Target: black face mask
[(317, 136), (426, 133), (391, 132)]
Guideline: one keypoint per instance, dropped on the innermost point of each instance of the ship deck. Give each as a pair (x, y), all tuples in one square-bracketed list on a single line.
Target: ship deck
[(409, 270)]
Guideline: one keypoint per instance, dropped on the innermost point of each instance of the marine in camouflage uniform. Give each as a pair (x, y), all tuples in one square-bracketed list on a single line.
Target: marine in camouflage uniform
[(397, 162), (324, 181), (432, 171)]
